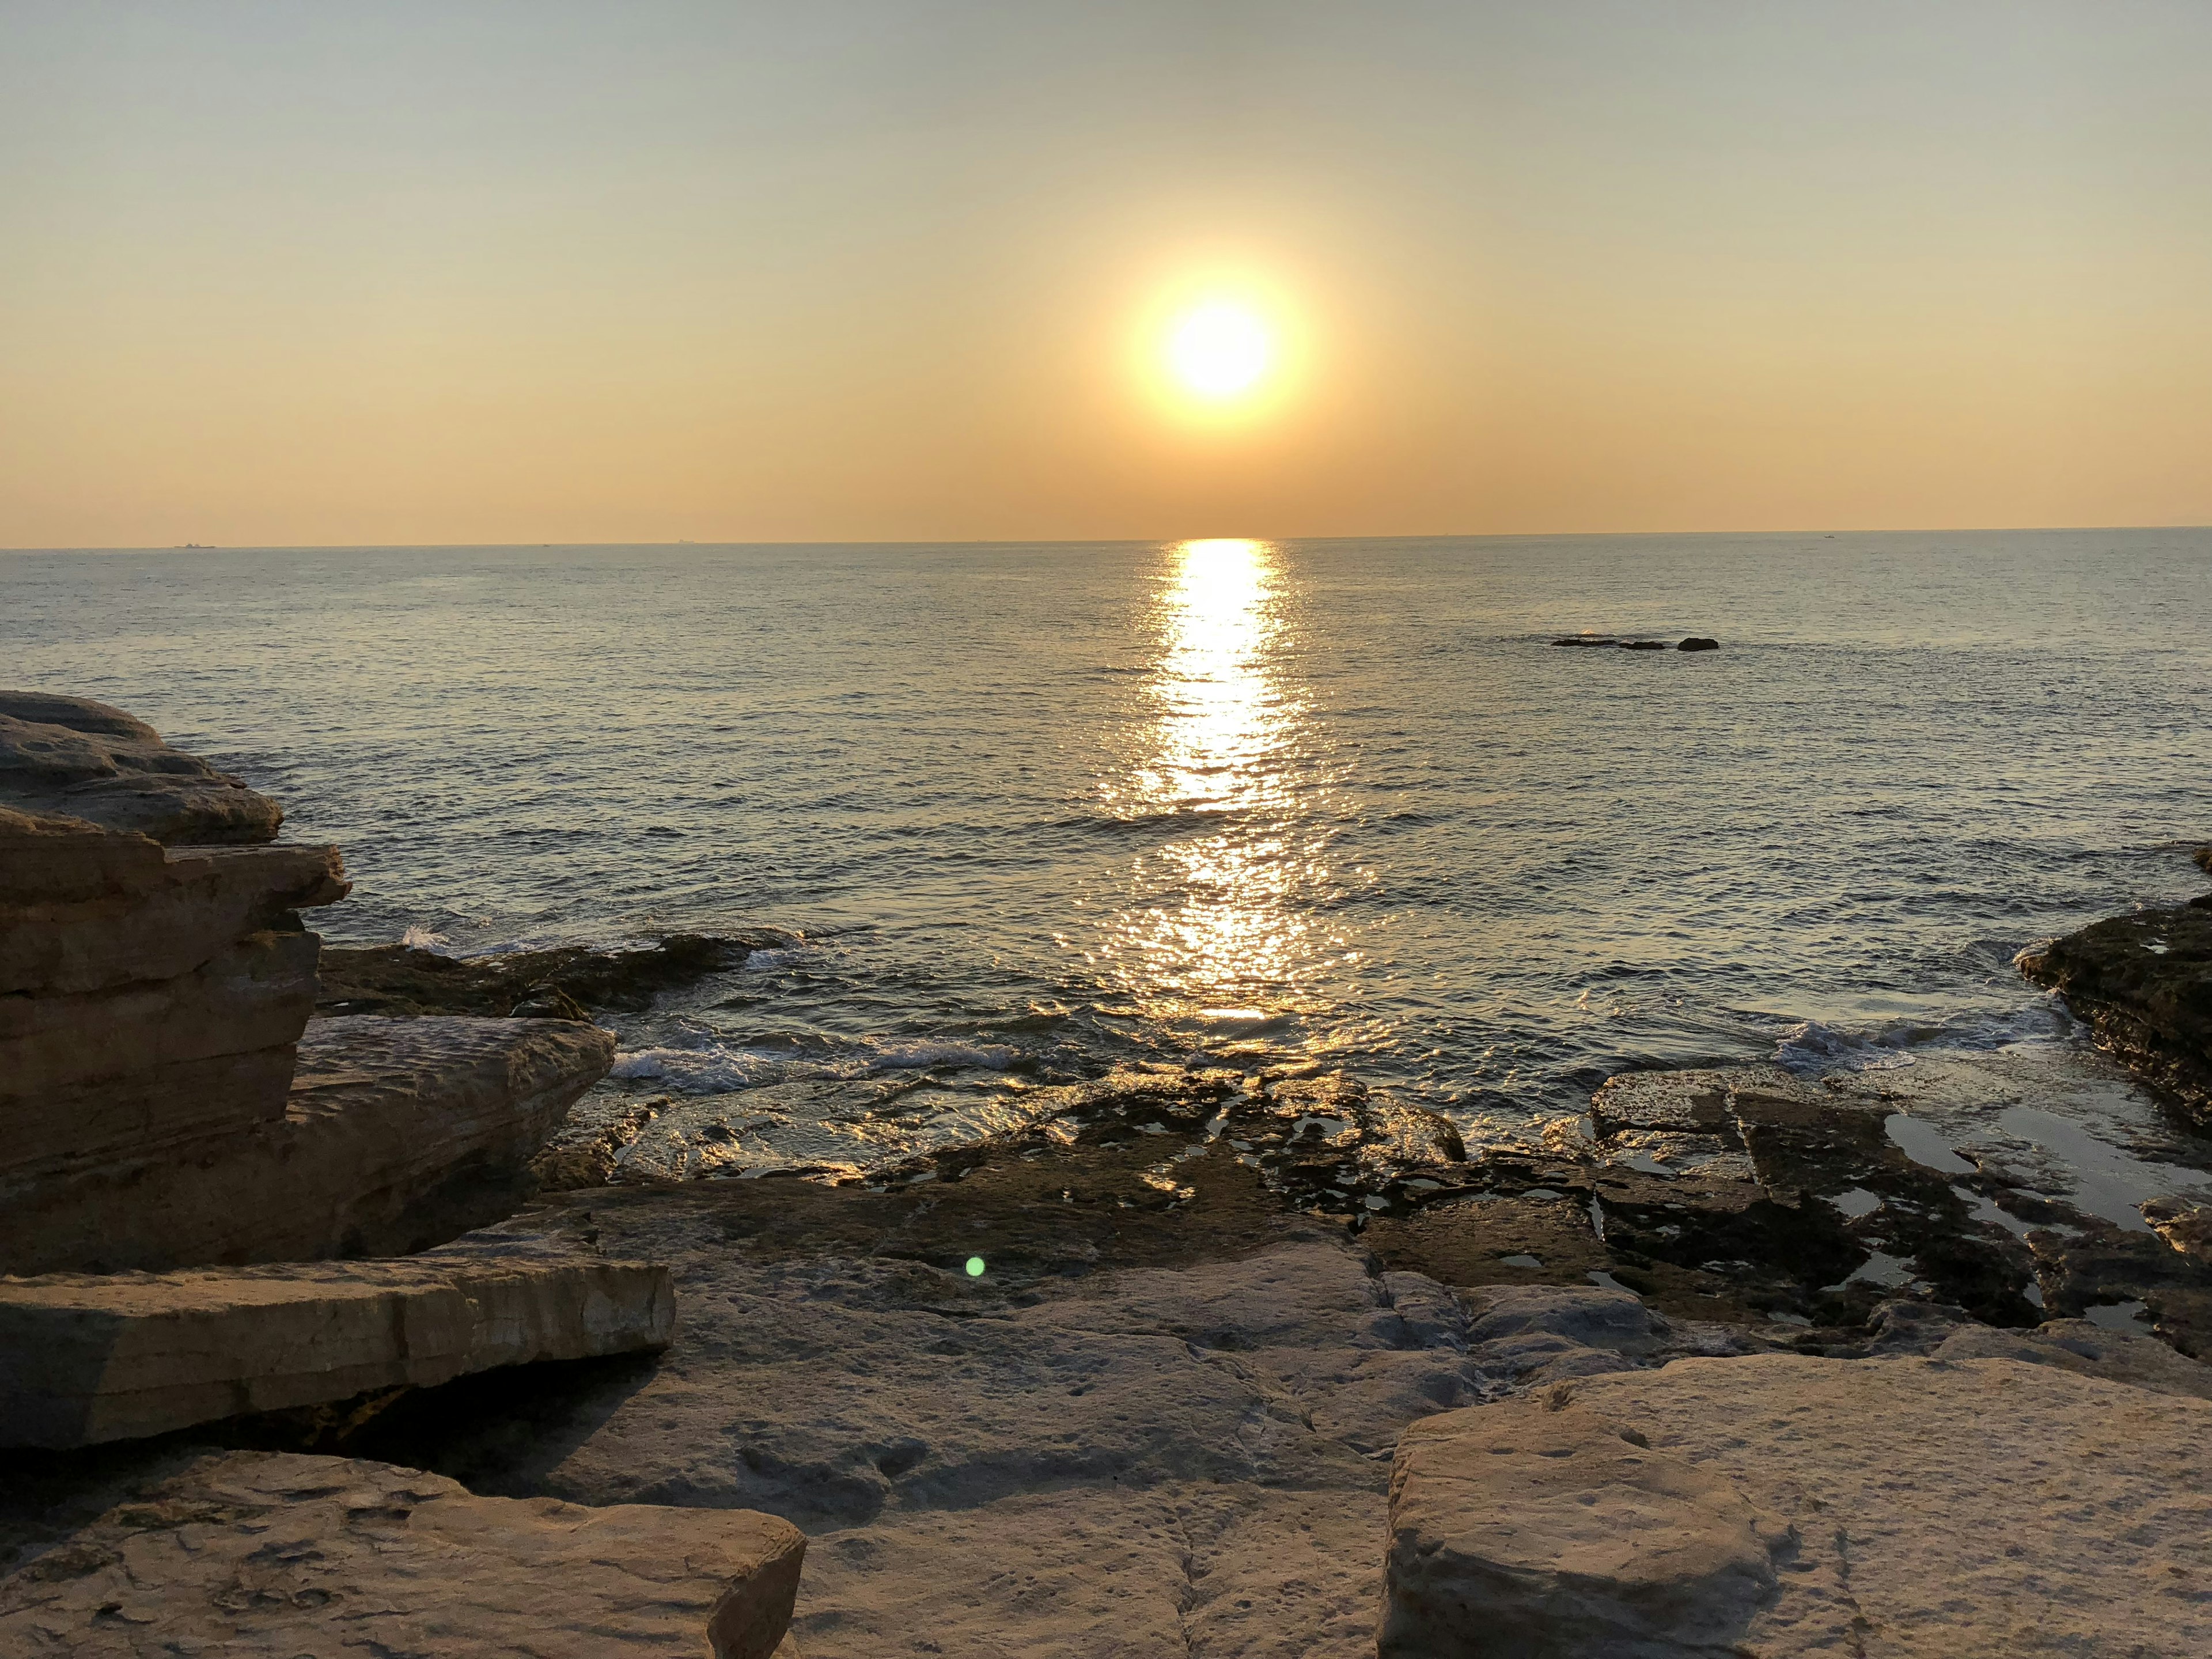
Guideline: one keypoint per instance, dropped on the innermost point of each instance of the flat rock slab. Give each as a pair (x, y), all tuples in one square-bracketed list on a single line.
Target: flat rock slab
[(248, 1554), (86, 1359), (1780, 1505), (398, 1134)]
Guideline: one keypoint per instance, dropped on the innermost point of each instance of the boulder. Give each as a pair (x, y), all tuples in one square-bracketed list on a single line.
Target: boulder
[(396, 1135), (1698, 643), (86, 1359), (2144, 984), (1784, 1505), (73, 758), (249, 1554)]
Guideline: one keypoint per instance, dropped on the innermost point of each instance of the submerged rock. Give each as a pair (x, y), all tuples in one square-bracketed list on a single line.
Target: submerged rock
[(261, 1556), (1644, 645), (73, 758), (1784, 1505), (2144, 984), (86, 1359)]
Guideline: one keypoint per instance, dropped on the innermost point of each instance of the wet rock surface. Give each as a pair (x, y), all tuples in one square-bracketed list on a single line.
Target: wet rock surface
[(248, 1554), (566, 982), (73, 758), (2143, 983), (1777, 1506)]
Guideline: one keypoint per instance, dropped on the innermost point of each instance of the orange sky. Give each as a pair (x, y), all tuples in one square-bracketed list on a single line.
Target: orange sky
[(287, 273)]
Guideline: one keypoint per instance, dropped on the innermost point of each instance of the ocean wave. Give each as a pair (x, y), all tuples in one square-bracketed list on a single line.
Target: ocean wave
[(1812, 1047), (720, 1068)]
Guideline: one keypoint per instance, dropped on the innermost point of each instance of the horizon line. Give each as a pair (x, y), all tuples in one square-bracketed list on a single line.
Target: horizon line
[(1085, 541)]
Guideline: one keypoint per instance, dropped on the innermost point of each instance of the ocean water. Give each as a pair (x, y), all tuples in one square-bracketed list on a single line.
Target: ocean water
[(1033, 811)]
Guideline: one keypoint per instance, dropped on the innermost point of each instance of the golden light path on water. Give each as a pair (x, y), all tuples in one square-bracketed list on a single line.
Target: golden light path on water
[(1218, 927)]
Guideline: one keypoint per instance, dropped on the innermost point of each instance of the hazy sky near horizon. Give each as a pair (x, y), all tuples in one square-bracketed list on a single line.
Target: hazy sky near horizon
[(292, 273)]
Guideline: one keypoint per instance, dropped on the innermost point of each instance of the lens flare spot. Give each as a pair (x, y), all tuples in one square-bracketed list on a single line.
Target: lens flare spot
[(974, 1267)]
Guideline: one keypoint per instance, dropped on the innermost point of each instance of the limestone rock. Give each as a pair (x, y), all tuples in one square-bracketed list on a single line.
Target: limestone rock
[(397, 1135), (74, 757), (1975, 1510), (85, 1359), (250, 1554)]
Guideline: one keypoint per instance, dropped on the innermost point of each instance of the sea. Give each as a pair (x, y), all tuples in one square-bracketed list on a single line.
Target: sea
[(1016, 813)]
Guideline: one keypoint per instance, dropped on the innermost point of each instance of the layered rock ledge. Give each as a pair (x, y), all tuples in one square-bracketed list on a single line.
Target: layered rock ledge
[(86, 1359), (395, 1135)]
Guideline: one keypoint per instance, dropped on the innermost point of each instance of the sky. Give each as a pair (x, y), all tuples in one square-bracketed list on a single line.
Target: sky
[(305, 273)]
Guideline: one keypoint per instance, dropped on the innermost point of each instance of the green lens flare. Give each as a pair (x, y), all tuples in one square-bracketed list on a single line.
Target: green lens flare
[(974, 1267)]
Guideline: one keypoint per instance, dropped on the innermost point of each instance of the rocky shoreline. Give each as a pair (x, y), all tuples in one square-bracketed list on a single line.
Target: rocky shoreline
[(1193, 1360)]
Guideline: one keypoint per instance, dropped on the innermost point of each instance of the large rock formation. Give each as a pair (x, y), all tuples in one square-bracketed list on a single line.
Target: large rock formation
[(73, 758), (269, 1557), (158, 1107), (86, 1359), (394, 1135), (1780, 1505)]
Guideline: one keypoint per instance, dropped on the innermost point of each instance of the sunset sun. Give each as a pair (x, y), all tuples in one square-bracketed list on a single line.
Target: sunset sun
[(1219, 351)]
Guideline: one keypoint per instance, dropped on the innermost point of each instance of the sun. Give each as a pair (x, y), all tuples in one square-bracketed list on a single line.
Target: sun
[(1219, 351)]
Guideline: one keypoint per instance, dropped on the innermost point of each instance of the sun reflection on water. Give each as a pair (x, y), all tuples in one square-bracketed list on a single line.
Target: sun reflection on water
[(1216, 927)]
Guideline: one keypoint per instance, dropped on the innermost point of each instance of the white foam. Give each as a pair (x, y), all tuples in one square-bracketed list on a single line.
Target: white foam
[(909, 1054)]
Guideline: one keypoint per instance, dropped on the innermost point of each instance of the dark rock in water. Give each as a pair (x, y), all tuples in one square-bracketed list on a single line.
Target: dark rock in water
[(1697, 643), (562, 983), (1643, 645), (2144, 984), (1587, 639), (72, 757)]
